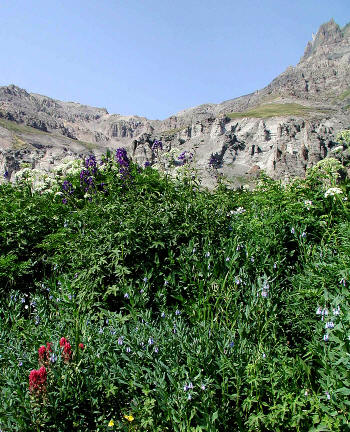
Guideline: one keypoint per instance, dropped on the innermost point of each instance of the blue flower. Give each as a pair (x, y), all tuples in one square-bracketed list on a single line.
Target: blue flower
[(120, 340), (126, 295), (177, 312)]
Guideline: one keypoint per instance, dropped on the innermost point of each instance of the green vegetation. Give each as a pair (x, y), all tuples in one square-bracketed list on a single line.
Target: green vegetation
[(132, 302), (344, 95), (17, 127), (273, 110)]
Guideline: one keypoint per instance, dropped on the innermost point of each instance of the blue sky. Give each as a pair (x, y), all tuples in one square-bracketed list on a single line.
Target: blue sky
[(154, 58)]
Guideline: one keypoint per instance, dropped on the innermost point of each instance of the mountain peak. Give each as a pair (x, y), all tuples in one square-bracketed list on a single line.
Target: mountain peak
[(328, 33)]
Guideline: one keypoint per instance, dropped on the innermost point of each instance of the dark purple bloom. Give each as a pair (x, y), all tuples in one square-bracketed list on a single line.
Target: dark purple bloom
[(147, 164), (64, 201), (6, 174)]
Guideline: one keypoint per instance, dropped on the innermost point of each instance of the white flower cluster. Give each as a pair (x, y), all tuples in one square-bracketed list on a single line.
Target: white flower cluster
[(333, 191), (239, 210)]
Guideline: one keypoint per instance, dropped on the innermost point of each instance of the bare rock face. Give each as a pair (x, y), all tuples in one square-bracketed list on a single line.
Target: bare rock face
[(282, 129)]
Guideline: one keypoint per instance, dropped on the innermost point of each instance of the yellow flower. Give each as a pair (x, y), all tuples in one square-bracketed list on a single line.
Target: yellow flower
[(129, 418), (111, 423)]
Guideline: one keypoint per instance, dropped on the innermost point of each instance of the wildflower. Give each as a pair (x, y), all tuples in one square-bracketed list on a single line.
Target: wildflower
[(194, 250), (156, 349), (306, 393), (342, 281), (329, 324), (145, 280), (308, 204), (126, 295), (264, 293), (81, 346), (326, 337), (120, 340), (263, 355), (177, 312), (227, 259), (111, 423), (190, 385), (44, 352), (319, 311), (150, 341), (274, 265), (185, 388), (70, 297), (189, 397), (252, 259), (231, 344), (53, 358), (328, 396), (162, 315), (101, 330), (333, 191), (37, 381), (20, 363), (207, 254), (166, 283), (67, 352), (63, 341), (128, 349), (129, 418), (303, 234), (336, 311), (203, 387), (292, 230)]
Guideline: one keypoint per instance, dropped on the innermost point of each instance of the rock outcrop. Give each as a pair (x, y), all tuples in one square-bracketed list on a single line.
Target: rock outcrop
[(283, 129)]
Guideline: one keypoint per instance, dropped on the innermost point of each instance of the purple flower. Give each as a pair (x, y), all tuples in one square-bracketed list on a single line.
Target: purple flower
[(120, 340), (20, 364), (203, 387), (156, 349), (6, 174), (326, 337), (150, 341), (147, 164), (177, 312), (126, 295), (64, 201), (128, 349)]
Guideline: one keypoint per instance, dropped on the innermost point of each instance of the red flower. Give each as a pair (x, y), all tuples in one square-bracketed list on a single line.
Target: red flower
[(63, 341), (44, 354), (37, 381), (81, 346), (67, 351)]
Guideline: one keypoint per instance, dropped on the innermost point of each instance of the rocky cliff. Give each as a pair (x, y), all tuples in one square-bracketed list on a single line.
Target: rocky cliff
[(284, 128)]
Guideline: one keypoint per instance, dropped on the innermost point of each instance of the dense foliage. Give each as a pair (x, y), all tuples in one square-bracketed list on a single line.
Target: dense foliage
[(132, 301)]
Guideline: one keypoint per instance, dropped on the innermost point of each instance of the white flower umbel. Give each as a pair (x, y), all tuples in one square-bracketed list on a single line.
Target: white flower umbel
[(333, 191)]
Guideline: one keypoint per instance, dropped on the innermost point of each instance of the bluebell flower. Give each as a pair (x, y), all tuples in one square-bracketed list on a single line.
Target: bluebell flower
[(126, 295), (120, 340), (128, 349), (177, 312)]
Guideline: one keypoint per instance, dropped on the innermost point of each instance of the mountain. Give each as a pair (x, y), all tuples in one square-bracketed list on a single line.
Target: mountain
[(283, 129)]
